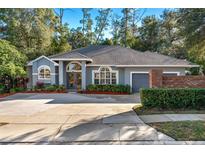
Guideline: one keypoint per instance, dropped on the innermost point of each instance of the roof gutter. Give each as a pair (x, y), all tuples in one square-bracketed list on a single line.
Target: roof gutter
[(179, 66), (72, 59)]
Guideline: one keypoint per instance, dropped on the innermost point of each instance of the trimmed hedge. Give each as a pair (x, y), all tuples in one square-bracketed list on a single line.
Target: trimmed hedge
[(173, 98), (109, 88)]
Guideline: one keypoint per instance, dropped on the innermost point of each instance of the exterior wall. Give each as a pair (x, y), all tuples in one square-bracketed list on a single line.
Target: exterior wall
[(95, 68), (29, 75), (127, 72), (36, 65), (183, 81), (157, 80)]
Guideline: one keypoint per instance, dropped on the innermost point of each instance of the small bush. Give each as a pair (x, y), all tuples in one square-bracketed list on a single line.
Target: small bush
[(39, 85), (2, 89), (173, 98), (12, 90), (109, 88), (50, 88)]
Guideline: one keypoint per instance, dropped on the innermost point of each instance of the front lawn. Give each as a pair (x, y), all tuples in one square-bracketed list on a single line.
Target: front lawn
[(183, 130), (140, 110)]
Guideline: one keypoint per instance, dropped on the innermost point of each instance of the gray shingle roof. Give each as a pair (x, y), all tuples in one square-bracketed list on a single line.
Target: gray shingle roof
[(116, 55)]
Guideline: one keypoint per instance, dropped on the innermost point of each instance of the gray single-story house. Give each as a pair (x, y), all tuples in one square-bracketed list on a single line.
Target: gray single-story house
[(102, 64)]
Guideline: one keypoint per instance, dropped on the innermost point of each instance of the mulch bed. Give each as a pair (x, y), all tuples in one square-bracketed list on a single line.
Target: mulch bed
[(6, 94), (103, 92)]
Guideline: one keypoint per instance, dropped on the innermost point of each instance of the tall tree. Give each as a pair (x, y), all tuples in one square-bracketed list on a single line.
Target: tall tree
[(30, 30), (193, 31), (11, 60), (149, 33), (171, 42), (115, 29), (125, 25), (86, 22), (76, 38), (102, 23)]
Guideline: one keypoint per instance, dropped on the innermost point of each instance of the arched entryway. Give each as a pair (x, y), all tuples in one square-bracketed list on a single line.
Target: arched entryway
[(74, 70)]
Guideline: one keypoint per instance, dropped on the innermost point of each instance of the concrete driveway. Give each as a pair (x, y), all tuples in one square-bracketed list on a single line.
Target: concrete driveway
[(72, 119)]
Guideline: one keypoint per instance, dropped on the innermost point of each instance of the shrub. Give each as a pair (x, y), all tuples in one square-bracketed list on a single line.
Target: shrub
[(173, 98), (12, 90), (39, 85), (109, 88), (50, 88), (61, 88), (2, 89)]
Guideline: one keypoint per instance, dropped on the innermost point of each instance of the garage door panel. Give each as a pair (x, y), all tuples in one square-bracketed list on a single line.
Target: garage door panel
[(139, 80)]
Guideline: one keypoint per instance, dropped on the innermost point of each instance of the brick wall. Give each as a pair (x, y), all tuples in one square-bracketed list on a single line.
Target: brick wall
[(156, 79), (183, 81)]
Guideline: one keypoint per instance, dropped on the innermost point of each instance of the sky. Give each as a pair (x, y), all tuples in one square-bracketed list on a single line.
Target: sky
[(72, 16)]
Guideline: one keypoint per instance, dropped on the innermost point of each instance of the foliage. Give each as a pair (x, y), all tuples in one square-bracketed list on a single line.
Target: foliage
[(17, 89), (40, 86), (11, 60), (109, 88), (30, 30), (102, 23), (173, 98), (182, 130), (2, 89)]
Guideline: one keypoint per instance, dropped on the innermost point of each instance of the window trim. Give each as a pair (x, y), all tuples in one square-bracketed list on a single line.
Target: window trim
[(44, 67), (111, 71), (74, 70)]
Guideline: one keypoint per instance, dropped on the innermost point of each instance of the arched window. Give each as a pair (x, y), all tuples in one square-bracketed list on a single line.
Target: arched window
[(74, 67), (44, 72), (105, 75)]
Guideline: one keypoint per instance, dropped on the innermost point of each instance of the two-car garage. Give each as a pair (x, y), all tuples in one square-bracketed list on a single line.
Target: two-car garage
[(141, 80)]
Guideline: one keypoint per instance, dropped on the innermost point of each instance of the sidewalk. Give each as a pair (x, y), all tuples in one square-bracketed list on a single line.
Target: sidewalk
[(171, 117)]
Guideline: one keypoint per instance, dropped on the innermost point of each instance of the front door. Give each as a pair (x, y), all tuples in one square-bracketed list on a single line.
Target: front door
[(74, 80)]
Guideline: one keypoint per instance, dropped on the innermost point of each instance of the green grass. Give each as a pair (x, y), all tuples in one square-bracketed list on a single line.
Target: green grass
[(142, 111), (183, 130)]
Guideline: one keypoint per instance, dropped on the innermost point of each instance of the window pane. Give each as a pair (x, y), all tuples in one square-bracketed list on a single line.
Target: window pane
[(44, 73), (102, 81), (96, 76), (107, 81), (102, 75), (108, 75), (102, 69), (74, 67), (114, 81), (113, 75), (96, 81)]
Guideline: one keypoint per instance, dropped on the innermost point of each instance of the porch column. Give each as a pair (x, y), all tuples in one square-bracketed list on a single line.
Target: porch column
[(83, 82), (60, 73)]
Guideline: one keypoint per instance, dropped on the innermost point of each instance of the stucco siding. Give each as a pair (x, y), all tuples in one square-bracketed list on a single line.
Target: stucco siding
[(128, 71), (36, 65)]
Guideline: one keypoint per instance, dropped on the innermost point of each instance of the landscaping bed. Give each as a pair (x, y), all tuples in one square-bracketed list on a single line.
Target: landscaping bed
[(140, 110), (182, 130), (104, 92), (107, 89)]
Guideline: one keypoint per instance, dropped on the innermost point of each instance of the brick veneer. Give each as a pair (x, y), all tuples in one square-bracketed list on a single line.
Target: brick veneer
[(158, 80), (155, 78), (183, 81)]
